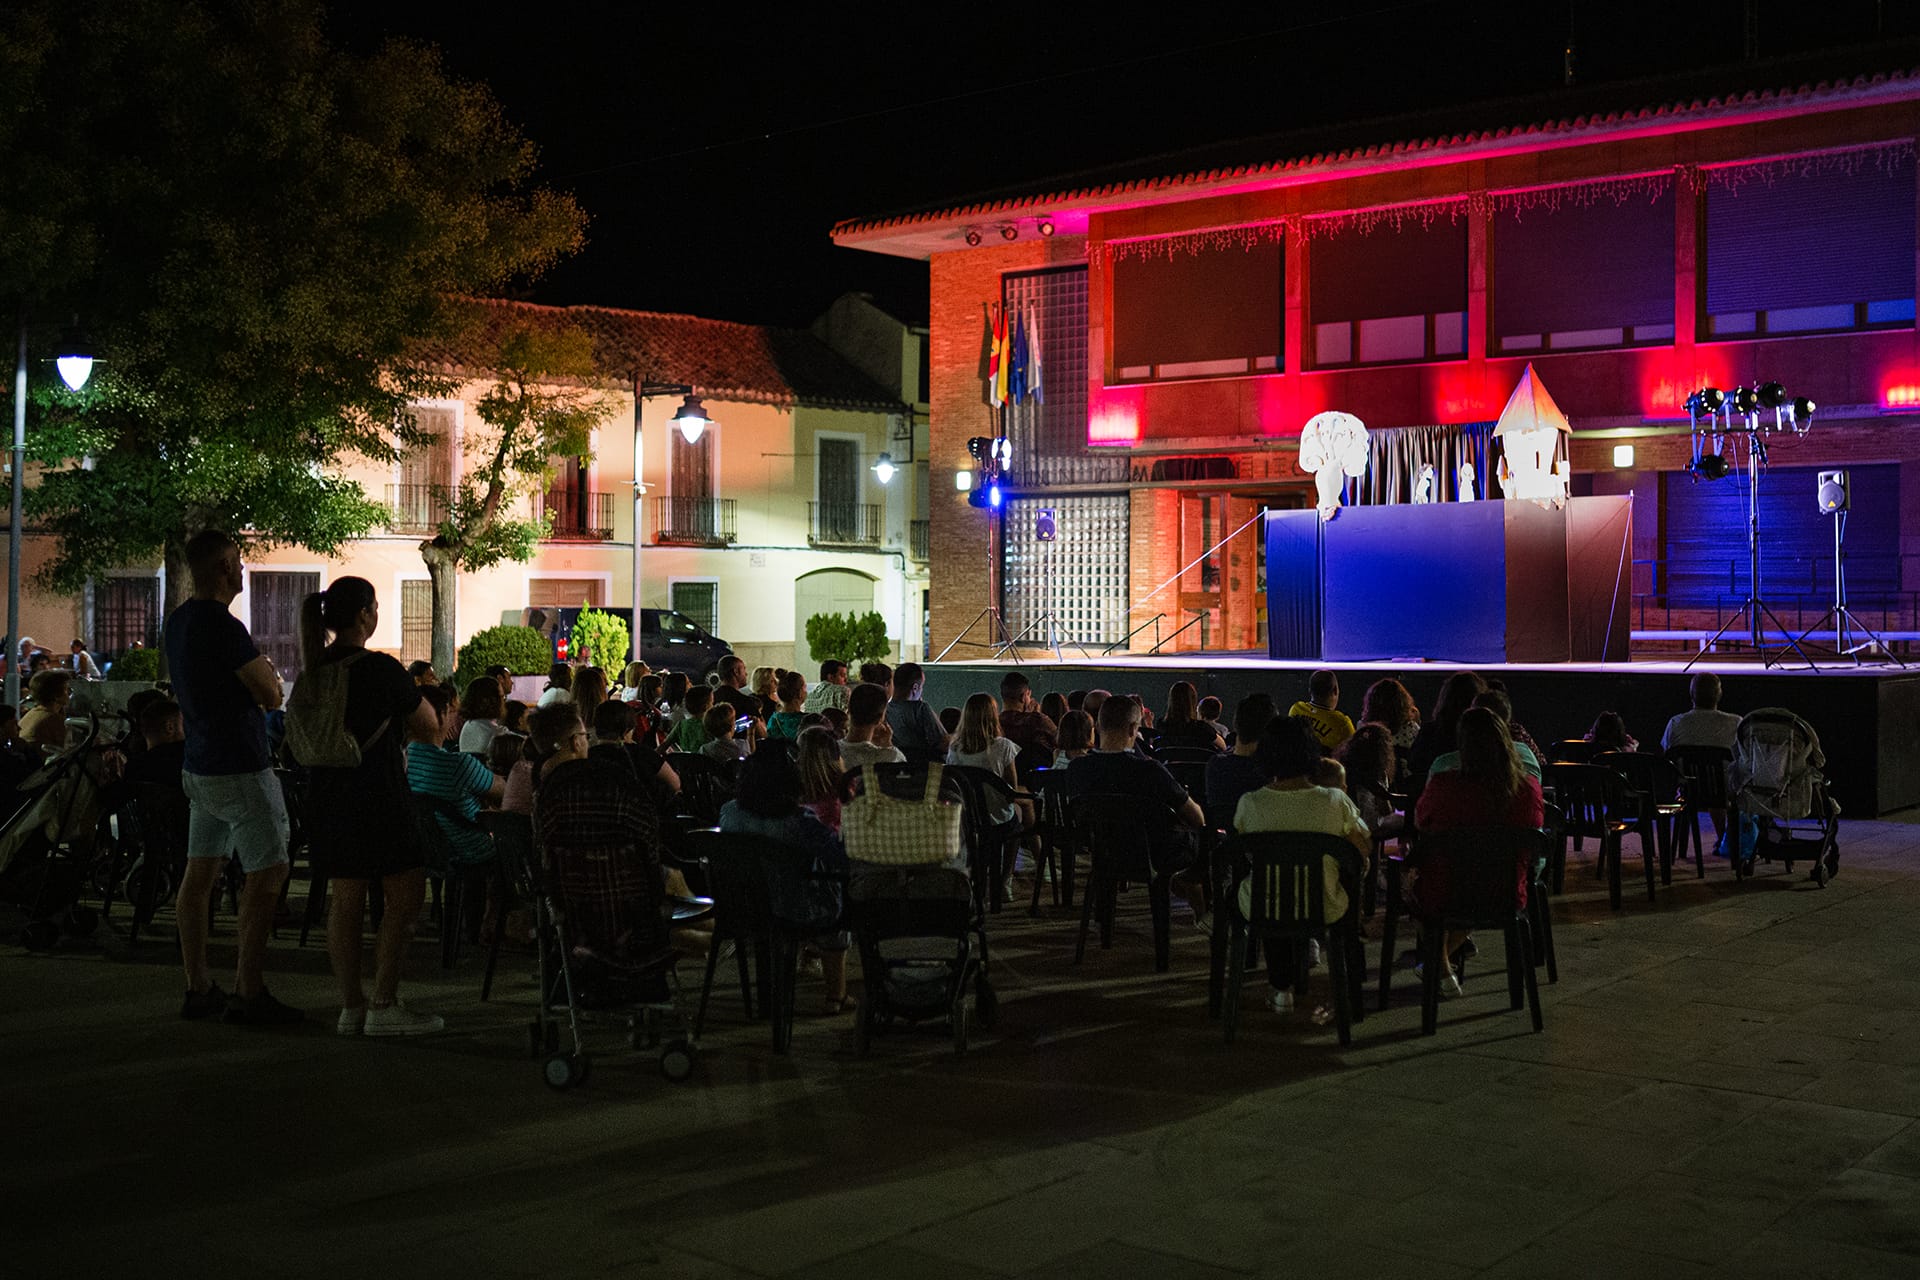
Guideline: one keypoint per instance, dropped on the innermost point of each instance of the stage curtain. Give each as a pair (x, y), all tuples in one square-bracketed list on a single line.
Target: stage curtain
[(1396, 454)]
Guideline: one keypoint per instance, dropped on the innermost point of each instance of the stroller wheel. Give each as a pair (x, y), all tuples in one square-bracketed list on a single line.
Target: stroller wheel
[(40, 935), (862, 1027), (82, 921), (676, 1061), (564, 1071), (1819, 873), (986, 1003)]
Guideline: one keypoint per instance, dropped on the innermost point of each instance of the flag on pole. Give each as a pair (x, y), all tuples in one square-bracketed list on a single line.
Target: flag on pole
[(1017, 379), (996, 342), (1003, 370), (1032, 327)]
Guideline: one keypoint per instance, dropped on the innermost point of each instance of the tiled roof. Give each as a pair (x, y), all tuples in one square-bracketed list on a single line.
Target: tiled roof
[(719, 359), (1306, 154)]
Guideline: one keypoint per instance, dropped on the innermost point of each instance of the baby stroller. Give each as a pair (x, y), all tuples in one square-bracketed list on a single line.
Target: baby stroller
[(602, 918), (1781, 798), (915, 918), (47, 843)]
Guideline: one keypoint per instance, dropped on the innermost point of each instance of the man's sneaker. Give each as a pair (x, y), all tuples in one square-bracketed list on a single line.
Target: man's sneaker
[(200, 1005), (398, 1020), (262, 1010), (352, 1021), (1280, 1002), (1203, 921)]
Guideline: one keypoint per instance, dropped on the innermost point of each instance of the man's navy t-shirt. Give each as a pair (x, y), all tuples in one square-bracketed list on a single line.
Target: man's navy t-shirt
[(226, 730)]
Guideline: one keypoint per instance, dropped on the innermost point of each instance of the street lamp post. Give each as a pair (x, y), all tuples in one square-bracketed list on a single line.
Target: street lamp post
[(75, 363), (691, 419)]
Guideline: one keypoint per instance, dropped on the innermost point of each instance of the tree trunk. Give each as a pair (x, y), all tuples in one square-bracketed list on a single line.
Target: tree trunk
[(442, 572)]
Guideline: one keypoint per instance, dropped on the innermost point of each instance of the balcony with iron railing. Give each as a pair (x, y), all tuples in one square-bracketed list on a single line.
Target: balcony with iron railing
[(845, 524), (693, 522), (576, 516), (922, 531), (417, 508)]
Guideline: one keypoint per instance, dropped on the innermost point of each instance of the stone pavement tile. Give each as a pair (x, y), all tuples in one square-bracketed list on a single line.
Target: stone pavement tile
[(1355, 1255), (1563, 1258), (1899, 1155), (1243, 1226), (1111, 1258), (1791, 1145), (1466, 1224), (797, 1230), (890, 1260), (1848, 1019), (1681, 1218), (1785, 1048), (1559, 1159), (1677, 1114), (1018, 1233), (1865, 1209), (1868, 1086), (1780, 1255)]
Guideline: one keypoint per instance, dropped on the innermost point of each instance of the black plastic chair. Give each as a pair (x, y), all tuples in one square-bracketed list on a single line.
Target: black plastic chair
[(1655, 784), (1171, 756), (1055, 834), (512, 835), (1483, 865), (1128, 838), (705, 785), (991, 845), (1286, 874), (153, 820), (739, 871), (1703, 789), (1571, 751), (1597, 803), (444, 868)]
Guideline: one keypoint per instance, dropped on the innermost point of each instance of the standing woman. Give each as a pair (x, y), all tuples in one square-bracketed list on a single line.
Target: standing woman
[(360, 819)]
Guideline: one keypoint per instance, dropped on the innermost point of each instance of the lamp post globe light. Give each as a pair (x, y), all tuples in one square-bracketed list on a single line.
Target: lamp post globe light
[(74, 359), (692, 420)]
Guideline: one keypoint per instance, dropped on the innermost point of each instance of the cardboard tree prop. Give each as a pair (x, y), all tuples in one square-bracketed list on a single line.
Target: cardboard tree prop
[(1333, 446)]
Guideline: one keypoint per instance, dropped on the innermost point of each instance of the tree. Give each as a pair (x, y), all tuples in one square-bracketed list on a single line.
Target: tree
[(850, 637), (602, 639), (266, 238), (540, 407)]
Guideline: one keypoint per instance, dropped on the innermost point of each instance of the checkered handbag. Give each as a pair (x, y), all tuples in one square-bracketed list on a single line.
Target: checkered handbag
[(880, 829)]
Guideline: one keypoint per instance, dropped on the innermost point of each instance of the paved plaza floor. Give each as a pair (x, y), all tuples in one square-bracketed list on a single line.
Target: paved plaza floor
[(1728, 1084)]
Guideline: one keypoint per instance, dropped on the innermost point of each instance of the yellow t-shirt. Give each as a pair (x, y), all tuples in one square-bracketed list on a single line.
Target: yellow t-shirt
[(1330, 727)]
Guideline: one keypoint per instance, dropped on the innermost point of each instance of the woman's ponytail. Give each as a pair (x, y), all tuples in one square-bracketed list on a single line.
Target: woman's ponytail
[(313, 629)]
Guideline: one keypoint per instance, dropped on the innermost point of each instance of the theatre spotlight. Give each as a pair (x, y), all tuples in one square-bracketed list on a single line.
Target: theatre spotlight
[(1711, 398), (1746, 401), (973, 238), (1772, 396), (1802, 411), (1710, 466), (1046, 226), (979, 446), (1011, 231)]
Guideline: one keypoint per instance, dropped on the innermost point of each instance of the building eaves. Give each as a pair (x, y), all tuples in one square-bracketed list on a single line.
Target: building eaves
[(1308, 155), (720, 359)]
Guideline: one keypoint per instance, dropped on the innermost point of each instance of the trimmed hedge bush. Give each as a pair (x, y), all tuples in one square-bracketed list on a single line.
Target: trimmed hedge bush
[(521, 650), (604, 640), (136, 664)]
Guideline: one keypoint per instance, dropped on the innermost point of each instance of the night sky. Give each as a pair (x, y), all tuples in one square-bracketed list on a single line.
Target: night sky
[(714, 146)]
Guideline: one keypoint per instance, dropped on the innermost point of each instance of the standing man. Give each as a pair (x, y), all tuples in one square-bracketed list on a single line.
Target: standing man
[(832, 689), (226, 686)]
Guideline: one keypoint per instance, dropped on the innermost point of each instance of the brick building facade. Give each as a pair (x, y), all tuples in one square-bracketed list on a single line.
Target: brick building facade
[(1194, 445)]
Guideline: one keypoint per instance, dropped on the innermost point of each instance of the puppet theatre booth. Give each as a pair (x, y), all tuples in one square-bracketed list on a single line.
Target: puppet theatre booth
[(1421, 565)]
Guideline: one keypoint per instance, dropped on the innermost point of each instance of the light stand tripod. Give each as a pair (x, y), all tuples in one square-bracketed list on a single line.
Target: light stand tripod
[(1001, 639), (1844, 623), (1719, 412)]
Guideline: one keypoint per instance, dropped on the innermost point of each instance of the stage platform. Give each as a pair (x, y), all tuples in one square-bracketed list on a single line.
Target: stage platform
[(1868, 718)]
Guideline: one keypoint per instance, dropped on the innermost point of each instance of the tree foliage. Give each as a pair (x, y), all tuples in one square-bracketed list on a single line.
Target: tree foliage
[(540, 407), (852, 638), (602, 639), (265, 238)]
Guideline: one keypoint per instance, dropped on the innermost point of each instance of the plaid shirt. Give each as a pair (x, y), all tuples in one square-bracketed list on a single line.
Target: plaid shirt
[(599, 838)]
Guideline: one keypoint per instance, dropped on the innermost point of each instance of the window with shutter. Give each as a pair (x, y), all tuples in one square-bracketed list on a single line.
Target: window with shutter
[(1822, 244), (1579, 267), (1192, 308)]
